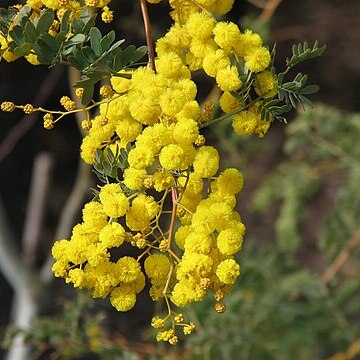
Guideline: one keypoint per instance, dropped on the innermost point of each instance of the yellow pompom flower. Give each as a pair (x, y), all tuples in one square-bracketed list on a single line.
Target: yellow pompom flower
[(245, 123), (157, 266), (206, 162), (114, 201), (228, 79), (229, 103), (200, 48), (60, 269), (87, 149), (59, 250), (140, 157), (229, 241), (76, 277), (191, 110), (171, 157), (266, 84), (162, 181), (94, 215), (185, 131), (169, 65), (193, 264), (258, 60), (247, 43), (198, 243), (120, 83), (200, 25), (112, 235), (128, 269), (134, 178), (123, 298), (188, 88), (226, 35), (215, 61), (138, 284), (172, 101), (230, 182), (228, 271)]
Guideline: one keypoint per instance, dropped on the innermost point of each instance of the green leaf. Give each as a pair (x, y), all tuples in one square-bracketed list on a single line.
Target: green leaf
[(77, 39), (45, 22), (88, 54), (50, 42), (95, 39), (23, 50), (310, 89), (30, 33), (17, 35), (107, 40)]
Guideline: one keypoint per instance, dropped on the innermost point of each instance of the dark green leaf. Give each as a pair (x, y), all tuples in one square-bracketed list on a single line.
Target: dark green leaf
[(30, 33), (50, 42), (23, 50), (45, 22), (95, 38), (107, 40), (17, 35)]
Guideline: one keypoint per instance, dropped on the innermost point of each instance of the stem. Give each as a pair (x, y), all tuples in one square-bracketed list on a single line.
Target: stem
[(341, 258), (149, 43)]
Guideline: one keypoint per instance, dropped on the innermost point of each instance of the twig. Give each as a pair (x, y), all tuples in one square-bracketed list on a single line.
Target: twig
[(18, 131), (36, 207), (150, 45), (269, 9), (341, 258)]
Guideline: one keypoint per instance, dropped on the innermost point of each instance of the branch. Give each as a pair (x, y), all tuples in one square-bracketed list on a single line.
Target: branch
[(150, 45), (17, 274), (341, 258), (19, 130), (36, 207), (269, 9)]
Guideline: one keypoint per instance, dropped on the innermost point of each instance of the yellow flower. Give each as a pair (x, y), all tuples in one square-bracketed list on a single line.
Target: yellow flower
[(215, 61), (114, 201), (123, 298), (229, 103), (206, 162), (258, 60), (157, 266), (112, 235), (229, 182), (266, 84), (229, 241), (128, 269), (228, 271), (226, 35), (228, 79)]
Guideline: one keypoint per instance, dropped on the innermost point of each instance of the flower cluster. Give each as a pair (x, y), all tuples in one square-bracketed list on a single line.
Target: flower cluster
[(157, 114), (170, 205)]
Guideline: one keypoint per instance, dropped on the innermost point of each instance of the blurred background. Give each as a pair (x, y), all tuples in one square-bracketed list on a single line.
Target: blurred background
[(299, 292)]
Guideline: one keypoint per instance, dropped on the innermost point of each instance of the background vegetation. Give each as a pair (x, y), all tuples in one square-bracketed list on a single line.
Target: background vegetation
[(298, 295)]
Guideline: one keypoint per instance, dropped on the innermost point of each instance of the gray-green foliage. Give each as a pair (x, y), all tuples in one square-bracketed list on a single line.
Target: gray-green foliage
[(321, 152)]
